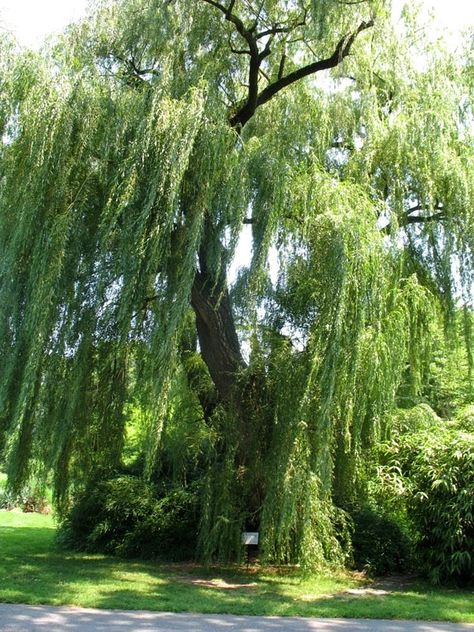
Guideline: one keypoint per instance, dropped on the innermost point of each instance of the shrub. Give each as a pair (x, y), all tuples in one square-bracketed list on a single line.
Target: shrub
[(169, 532), (437, 471), (122, 516), (105, 512), (380, 544)]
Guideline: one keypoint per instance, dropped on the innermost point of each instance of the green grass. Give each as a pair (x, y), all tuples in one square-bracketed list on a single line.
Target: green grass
[(34, 571)]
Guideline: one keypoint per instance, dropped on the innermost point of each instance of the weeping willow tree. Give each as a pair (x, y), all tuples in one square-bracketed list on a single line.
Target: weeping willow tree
[(137, 150)]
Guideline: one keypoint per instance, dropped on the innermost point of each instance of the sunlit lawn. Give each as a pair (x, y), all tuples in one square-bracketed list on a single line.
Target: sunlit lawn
[(34, 571)]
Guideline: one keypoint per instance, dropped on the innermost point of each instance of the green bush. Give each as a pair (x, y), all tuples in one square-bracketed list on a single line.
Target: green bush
[(437, 472), (105, 512), (169, 532), (380, 544), (122, 516)]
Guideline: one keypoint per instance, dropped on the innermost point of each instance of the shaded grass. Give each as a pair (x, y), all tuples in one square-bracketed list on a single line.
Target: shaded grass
[(34, 571)]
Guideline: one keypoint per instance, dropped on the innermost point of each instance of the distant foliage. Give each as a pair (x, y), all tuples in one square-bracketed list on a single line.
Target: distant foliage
[(465, 419), (32, 498), (450, 387), (123, 517)]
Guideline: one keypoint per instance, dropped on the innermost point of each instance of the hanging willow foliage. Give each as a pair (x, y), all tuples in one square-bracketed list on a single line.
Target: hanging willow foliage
[(134, 150)]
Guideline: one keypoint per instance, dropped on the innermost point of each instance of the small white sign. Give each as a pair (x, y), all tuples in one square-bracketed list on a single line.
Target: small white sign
[(250, 537)]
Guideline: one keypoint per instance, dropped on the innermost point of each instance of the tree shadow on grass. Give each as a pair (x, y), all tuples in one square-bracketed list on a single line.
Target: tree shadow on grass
[(34, 570)]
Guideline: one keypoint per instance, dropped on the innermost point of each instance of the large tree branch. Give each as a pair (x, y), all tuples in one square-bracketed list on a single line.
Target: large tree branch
[(409, 218), (256, 57), (251, 36), (342, 50)]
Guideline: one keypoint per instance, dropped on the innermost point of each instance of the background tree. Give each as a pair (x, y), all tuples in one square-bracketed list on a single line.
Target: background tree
[(136, 150)]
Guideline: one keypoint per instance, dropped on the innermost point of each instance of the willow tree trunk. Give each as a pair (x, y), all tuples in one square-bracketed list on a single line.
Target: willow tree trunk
[(216, 331), (241, 391)]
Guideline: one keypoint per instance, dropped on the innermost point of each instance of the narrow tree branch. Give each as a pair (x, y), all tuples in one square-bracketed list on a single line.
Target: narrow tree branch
[(420, 207), (135, 70), (237, 51), (413, 209), (417, 219), (280, 28), (234, 19), (267, 50), (350, 2), (281, 68), (264, 74), (421, 219)]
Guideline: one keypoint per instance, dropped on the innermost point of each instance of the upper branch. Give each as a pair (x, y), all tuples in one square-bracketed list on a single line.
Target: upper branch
[(438, 214), (341, 51), (234, 19), (422, 219), (252, 37), (282, 28)]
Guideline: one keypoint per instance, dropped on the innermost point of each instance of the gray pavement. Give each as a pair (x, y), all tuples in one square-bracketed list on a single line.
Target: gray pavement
[(18, 618)]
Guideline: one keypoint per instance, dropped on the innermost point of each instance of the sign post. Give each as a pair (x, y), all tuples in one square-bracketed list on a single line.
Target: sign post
[(249, 539)]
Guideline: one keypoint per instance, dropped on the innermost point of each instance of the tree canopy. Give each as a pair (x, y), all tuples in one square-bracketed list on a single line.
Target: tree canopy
[(137, 149)]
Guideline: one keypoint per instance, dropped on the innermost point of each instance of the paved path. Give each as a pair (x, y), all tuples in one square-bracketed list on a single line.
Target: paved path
[(17, 618)]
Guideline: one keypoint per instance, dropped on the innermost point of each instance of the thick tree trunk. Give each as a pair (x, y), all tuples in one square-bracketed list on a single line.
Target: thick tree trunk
[(241, 393), (217, 335), (210, 300)]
